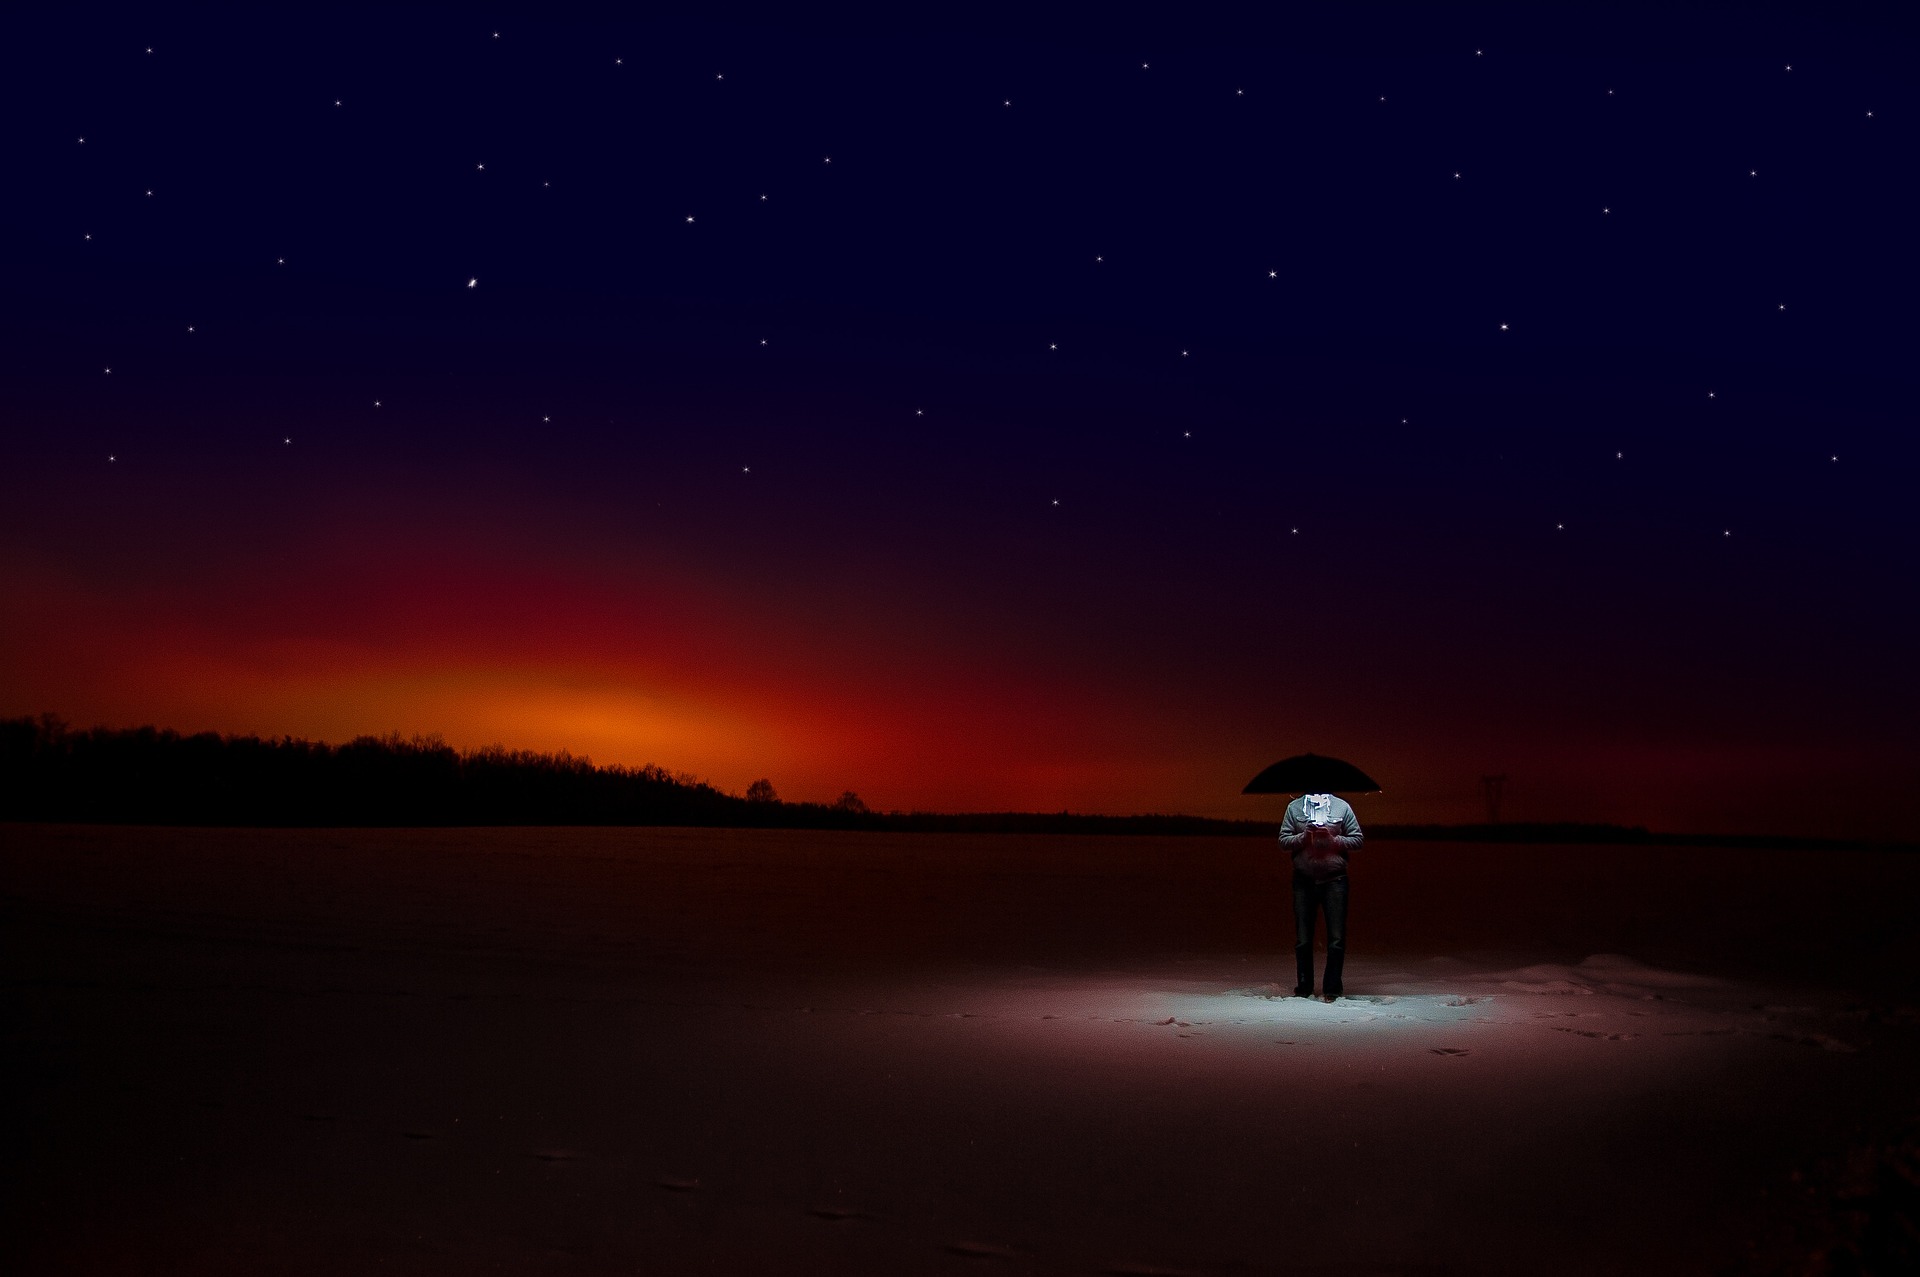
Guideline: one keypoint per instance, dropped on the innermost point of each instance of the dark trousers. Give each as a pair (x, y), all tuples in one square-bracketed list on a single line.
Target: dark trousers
[(1310, 898)]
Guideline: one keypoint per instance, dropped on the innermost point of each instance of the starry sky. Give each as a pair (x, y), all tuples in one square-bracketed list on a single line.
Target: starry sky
[(984, 412)]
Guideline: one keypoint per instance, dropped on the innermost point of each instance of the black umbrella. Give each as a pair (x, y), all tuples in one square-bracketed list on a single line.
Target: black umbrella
[(1312, 774)]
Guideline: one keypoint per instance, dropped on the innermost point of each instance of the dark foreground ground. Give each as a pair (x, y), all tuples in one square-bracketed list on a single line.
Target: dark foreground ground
[(681, 1051)]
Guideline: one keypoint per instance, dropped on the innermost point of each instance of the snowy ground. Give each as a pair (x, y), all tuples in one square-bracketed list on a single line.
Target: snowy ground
[(586, 1051)]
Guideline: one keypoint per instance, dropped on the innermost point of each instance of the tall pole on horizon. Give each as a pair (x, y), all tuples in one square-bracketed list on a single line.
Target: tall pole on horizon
[(1493, 789)]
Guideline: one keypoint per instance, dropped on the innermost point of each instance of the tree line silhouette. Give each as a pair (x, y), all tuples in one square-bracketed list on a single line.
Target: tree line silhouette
[(156, 776), (150, 775)]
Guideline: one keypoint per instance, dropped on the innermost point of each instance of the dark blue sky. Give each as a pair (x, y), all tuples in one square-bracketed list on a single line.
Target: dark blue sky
[(984, 411)]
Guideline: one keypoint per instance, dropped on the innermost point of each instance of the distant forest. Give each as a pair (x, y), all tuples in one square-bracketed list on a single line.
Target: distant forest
[(155, 776)]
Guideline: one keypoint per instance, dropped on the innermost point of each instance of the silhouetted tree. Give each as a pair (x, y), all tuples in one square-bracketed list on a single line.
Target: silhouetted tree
[(761, 791), (850, 803)]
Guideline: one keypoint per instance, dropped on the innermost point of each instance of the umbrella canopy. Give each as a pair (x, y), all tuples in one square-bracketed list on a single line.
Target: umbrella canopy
[(1312, 774)]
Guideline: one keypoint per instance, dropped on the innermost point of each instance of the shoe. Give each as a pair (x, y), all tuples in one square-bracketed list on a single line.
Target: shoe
[(1302, 990), (1330, 994)]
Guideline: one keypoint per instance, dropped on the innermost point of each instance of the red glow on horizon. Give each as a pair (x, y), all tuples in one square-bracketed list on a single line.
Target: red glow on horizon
[(433, 633), (453, 644)]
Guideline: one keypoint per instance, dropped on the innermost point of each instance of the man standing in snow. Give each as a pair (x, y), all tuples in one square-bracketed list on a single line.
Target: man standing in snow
[(1321, 831)]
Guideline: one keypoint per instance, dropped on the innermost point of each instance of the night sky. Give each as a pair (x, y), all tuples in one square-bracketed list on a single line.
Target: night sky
[(981, 413)]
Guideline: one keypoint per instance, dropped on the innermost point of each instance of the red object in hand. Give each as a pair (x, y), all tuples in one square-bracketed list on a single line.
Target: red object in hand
[(1320, 848)]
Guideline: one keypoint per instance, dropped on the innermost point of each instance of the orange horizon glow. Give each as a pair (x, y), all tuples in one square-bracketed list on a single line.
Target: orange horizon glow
[(481, 645), (659, 672)]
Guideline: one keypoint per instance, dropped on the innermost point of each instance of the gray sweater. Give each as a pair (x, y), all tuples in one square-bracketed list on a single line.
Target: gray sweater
[(1330, 862)]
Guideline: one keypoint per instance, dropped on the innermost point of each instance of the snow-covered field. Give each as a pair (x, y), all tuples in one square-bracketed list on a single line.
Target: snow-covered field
[(667, 1051)]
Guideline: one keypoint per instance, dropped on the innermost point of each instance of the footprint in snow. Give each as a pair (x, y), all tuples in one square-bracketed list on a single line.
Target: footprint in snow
[(1449, 1050)]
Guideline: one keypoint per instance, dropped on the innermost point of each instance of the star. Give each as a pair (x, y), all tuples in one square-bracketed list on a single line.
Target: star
[(110, 456), (546, 418), (1560, 527), (1503, 328), (746, 470), (1056, 503), (1727, 533), (1296, 531), (376, 403), (689, 219), (286, 441), (1183, 354), (1273, 274), (472, 283), (481, 167), (1051, 346)]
